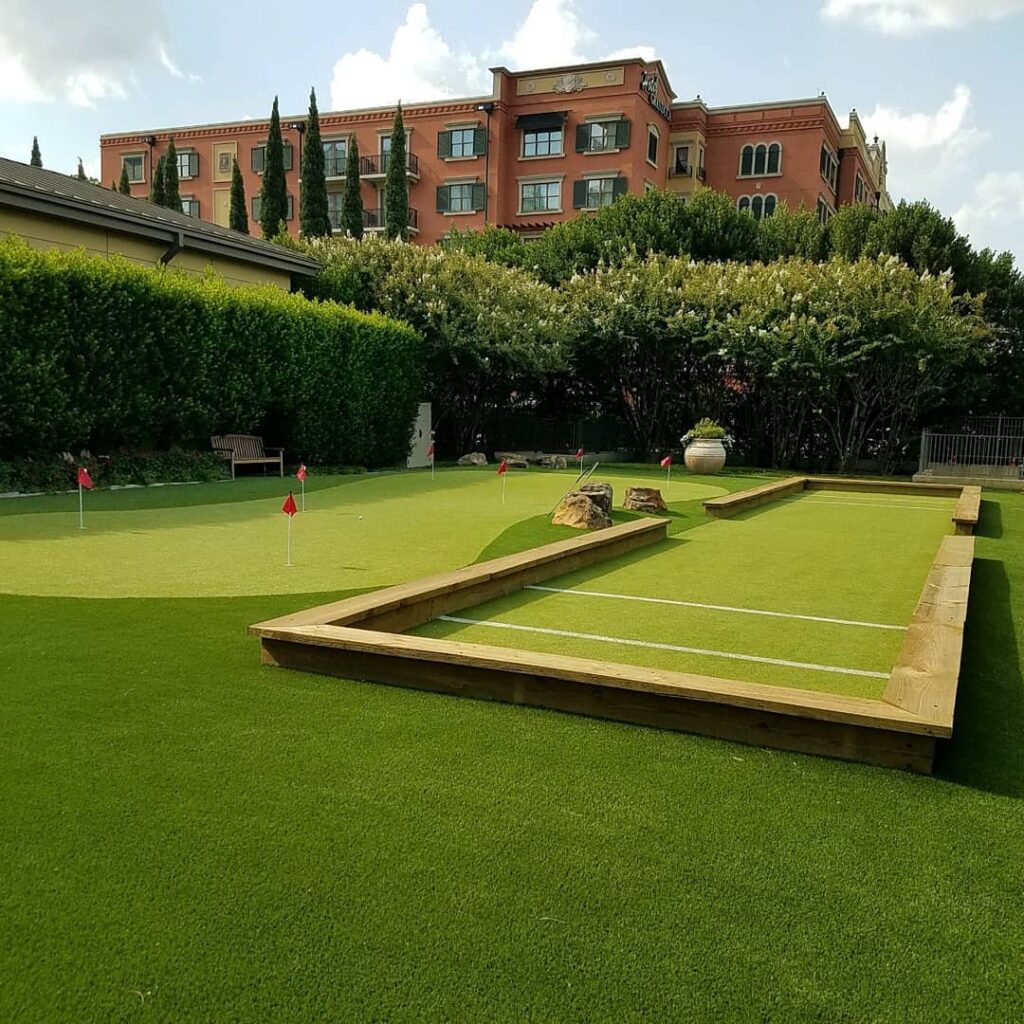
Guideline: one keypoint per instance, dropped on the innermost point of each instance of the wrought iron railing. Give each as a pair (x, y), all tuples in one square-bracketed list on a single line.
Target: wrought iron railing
[(378, 164), (991, 455)]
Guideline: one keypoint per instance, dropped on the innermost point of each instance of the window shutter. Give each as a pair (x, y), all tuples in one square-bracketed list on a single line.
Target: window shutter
[(619, 186), (479, 141), (621, 134), (444, 146), (479, 196), (256, 207), (579, 195), (442, 198), (582, 138), (257, 158), (193, 164), (287, 156)]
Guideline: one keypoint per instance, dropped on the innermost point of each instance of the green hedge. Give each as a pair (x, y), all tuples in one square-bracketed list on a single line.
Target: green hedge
[(105, 355)]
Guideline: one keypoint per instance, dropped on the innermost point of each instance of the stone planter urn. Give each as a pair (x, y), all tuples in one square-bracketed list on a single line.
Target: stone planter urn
[(704, 455)]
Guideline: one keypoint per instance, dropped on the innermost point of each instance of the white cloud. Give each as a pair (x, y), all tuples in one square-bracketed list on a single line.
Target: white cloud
[(15, 82), (421, 65), (902, 17), (84, 88), (917, 131), (994, 213)]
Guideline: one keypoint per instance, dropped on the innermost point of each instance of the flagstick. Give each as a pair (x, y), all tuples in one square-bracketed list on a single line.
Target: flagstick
[(504, 480), (81, 509), (289, 562), (431, 466), (668, 482), (303, 482)]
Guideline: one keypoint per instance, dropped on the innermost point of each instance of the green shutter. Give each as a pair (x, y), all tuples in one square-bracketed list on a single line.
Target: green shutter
[(479, 141), (479, 196), (579, 195), (444, 144), (256, 159), (443, 197), (619, 187), (621, 134), (582, 138), (257, 206)]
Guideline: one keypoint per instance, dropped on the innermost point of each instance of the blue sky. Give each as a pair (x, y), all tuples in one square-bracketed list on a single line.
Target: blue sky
[(939, 80)]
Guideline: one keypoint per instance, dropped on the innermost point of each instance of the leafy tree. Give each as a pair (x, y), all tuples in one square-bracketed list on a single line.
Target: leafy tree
[(920, 236), (273, 190), (238, 217), (396, 184), (790, 233), (716, 230), (314, 219), (124, 186), (81, 175), (499, 245), (157, 195), (172, 194), (847, 232), (37, 157), (352, 204)]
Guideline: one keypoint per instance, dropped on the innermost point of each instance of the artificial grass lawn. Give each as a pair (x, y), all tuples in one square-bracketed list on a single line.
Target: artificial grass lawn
[(186, 836), (825, 554)]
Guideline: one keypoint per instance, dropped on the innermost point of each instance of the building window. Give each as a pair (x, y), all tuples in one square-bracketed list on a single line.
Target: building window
[(825, 211), (543, 142), (464, 197), (829, 166), (257, 207), (335, 155), (135, 166), (700, 162), (757, 206), (762, 159), (259, 157), (681, 163), (591, 193), (859, 191), (188, 164), (190, 206), (540, 196), (462, 142), (335, 201), (602, 136), (652, 146)]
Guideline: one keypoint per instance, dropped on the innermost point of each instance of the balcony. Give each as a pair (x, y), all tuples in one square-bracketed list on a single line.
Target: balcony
[(334, 167), (373, 220), (681, 171), (701, 174), (376, 166)]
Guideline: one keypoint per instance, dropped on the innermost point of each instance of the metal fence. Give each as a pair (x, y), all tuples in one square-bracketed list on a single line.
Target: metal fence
[(992, 455)]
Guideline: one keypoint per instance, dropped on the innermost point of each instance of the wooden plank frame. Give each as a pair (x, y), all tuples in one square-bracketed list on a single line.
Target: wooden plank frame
[(362, 638)]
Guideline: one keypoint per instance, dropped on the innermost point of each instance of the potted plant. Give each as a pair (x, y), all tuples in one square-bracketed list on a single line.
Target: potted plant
[(705, 447)]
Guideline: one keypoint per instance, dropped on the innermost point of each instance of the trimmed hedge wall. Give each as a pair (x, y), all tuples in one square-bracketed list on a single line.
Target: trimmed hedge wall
[(103, 354)]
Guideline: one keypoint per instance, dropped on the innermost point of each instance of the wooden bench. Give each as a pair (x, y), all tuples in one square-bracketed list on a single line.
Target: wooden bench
[(246, 450), (968, 508)]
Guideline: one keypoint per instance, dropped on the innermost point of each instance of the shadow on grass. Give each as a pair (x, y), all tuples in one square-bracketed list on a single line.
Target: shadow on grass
[(990, 520), (985, 751)]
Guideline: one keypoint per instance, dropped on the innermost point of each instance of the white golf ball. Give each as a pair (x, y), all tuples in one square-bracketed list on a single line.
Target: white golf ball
[(360, 517)]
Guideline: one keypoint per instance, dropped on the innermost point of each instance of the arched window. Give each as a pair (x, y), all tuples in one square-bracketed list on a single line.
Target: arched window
[(774, 158), (743, 203), (747, 162), (760, 159), (757, 207), (769, 205)]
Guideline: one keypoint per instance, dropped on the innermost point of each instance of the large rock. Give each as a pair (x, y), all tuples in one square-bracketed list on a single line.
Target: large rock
[(552, 461), (644, 499), (580, 512), (600, 494), (473, 459)]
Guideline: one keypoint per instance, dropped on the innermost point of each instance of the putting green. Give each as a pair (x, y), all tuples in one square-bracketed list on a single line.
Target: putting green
[(366, 531), (840, 573)]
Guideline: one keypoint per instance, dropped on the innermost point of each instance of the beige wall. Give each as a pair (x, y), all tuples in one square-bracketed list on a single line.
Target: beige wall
[(43, 232)]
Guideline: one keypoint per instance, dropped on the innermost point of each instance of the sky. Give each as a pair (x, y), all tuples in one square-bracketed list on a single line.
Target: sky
[(939, 80)]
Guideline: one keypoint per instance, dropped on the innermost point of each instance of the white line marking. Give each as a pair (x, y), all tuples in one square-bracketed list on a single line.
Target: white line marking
[(719, 607), (665, 647), (866, 504)]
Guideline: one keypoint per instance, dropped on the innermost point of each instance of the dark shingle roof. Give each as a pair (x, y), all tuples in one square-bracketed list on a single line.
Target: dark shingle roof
[(58, 195)]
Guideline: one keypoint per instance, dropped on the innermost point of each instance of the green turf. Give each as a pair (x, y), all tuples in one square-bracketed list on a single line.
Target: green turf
[(825, 554), (186, 836)]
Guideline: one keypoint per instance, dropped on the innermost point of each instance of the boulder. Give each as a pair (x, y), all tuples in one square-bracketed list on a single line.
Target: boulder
[(552, 461), (580, 512), (473, 459), (644, 499), (600, 494)]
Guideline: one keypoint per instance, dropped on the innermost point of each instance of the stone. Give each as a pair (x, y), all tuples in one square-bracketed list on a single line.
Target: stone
[(600, 494), (644, 499), (517, 460), (552, 461), (579, 511), (473, 459)]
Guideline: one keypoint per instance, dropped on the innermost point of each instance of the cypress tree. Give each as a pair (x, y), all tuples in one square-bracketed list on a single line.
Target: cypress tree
[(156, 194), (396, 185), (314, 219), (238, 218), (172, 196), (352, 204), (125, 187), (273, 191), (37, 157), (81, 175)]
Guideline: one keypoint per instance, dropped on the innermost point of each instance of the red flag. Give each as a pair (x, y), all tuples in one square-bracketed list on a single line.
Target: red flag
[(301, 474), (84, 480), (503, 467), (430, 450), (666, 462), (579, 453), (289, 508)]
